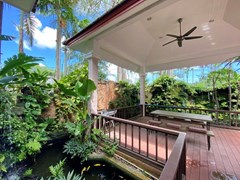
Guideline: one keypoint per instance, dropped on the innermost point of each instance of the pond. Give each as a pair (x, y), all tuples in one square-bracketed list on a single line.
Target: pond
[(90, 170)]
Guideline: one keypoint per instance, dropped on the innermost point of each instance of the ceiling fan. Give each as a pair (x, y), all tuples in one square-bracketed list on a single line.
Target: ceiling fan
[(181, 37)]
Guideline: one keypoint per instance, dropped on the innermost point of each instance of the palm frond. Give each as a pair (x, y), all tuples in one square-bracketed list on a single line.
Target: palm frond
[(29, 26)]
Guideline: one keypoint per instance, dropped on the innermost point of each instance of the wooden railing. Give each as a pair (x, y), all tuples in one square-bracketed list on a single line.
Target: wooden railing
[(128, 112), (154, 144), (220, 117)]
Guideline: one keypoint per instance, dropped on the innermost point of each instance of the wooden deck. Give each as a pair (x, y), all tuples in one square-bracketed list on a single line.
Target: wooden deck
[(223, 158)]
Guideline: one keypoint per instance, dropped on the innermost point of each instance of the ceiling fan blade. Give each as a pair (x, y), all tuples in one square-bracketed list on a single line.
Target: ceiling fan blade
[(192, 37), (169, 42), (190, 31), (172, 35)]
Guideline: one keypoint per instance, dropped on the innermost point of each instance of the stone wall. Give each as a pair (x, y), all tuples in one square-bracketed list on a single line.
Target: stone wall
[(106, 93)]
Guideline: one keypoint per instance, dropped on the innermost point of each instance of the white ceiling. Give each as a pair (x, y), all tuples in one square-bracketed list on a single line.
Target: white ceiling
[(133, 41), (25, 5)]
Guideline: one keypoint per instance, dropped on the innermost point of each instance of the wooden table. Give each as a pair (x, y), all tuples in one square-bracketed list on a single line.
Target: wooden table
[(191, 118)]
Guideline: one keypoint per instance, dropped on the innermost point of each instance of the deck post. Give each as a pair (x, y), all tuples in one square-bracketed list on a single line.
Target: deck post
[(93, 75), (142, 90)]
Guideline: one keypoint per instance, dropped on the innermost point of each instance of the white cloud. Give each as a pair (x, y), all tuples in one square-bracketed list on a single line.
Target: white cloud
[(26, 46), (45, 38), (41, 65)]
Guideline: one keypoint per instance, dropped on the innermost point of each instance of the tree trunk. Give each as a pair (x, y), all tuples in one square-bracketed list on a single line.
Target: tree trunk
[(58, 46), (229, 90), (119, 74), (20, 45), (124, 75), (192, 75), (238, 96), (202, 71), (215, 98), (66, 58), (1, 20)]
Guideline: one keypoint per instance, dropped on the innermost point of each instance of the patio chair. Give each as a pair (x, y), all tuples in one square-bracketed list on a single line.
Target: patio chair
[(108, 123)]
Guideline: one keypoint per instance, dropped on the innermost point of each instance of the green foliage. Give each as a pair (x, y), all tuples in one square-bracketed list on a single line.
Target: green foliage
[(110, 147), (57, 170), (76, 99), (27, 173), (2, 167), (33, 147), (24, 95), (127, 95), (102, 70), (6, 38), (79, 74), (214, 90), (71, 100), (75, 129), (75, 148), (167, 91), (16, 68)]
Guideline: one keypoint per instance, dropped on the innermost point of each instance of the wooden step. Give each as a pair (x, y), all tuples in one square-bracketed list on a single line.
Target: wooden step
[(154, 123), (174, 126), (197, 130)]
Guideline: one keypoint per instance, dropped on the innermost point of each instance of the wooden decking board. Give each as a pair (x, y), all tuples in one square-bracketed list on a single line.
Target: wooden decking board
[(224, 155), (231, 153)]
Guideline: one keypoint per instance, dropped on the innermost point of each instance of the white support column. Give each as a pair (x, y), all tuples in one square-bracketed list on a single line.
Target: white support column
[(142, 89), (93, 75)]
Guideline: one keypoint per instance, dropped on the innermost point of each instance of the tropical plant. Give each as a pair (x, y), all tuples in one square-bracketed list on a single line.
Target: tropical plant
[(27, 27), (2, 167), (24, 94), (167, 91), (16, 69), (6, 38), (63, 11), (27, 173), (103, 70), (75, 148), (110, 147), (72, 26), (57, 172), (127, 95), (80, 131)]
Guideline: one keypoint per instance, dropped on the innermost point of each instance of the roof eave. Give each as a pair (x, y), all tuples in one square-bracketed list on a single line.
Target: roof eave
[(32, 9), (109, 16)]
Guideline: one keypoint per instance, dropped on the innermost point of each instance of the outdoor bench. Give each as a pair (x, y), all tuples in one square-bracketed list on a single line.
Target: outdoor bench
[(187, 127)]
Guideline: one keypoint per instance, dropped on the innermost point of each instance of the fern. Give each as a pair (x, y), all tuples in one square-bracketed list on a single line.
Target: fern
[(57, 170)]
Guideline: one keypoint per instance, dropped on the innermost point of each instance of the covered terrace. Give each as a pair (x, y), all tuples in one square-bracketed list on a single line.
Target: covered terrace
[(133, 35)]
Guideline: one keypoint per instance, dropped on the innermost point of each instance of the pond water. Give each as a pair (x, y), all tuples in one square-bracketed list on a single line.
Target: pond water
[(90, 170)]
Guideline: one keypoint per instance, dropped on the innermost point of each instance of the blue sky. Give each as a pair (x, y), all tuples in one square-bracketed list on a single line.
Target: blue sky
[(44, 40)]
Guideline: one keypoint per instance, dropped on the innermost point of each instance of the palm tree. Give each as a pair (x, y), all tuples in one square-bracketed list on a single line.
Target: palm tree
[(62, 10), (71, 28), (26, 27)]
